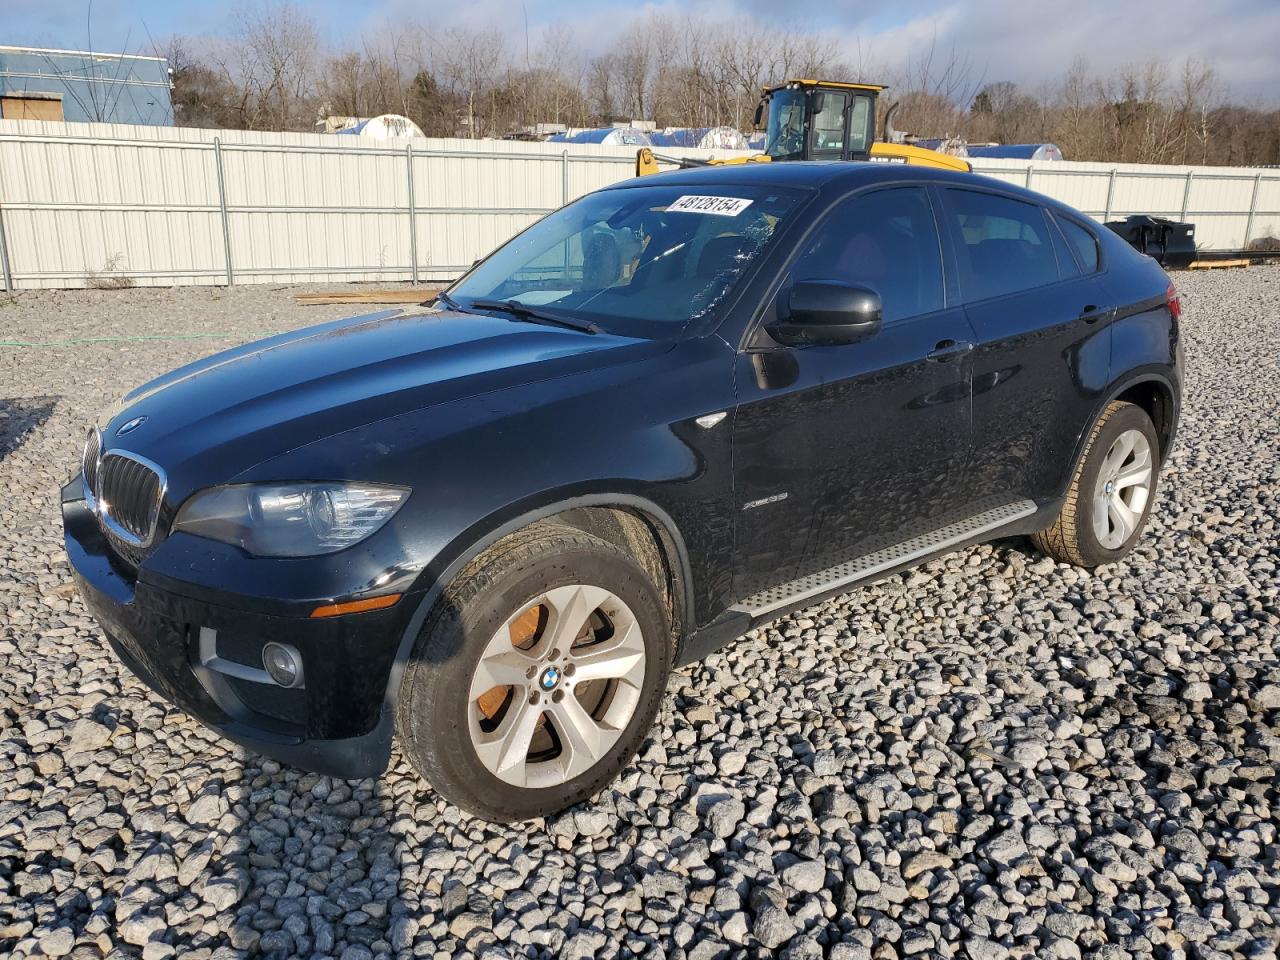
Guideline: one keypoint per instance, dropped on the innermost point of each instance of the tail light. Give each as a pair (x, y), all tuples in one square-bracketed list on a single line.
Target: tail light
[(1175, 302)]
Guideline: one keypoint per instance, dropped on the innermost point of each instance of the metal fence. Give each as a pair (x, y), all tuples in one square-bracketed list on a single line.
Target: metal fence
[(1230, 206), (90, 204)]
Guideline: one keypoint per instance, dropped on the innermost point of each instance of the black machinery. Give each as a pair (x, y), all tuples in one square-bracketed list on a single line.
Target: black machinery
[(1171, 243)]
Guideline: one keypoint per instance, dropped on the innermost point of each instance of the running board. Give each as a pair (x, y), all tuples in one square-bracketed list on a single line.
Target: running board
[(863, 568)]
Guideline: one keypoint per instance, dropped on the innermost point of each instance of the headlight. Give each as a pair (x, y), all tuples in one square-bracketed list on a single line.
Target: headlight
[(290, 519)]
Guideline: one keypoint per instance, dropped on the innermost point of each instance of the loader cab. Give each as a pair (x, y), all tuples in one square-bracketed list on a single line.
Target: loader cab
[(818, 120)]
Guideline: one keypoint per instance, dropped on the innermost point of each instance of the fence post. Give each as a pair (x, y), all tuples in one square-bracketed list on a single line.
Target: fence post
[(413, 212), (1253, 206), (4, 257), (1111, 191), (1028, 183), (222, 206), (1186, 194), (564, 177)]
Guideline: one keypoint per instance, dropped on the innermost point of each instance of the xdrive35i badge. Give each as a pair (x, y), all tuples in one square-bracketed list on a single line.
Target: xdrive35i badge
[(131, 426)]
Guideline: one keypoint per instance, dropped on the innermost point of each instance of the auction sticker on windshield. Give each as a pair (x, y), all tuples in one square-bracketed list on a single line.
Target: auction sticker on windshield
[(720, 206)]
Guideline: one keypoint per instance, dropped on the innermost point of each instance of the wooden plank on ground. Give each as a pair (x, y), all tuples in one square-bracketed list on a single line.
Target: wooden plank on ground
[(1216, 264), (420, 295)]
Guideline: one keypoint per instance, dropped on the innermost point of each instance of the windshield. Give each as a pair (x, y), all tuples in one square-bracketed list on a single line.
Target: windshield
[(784, 136), (641, 262)]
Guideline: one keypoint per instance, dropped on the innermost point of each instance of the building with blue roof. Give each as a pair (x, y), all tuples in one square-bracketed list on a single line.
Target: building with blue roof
[(38, 84)]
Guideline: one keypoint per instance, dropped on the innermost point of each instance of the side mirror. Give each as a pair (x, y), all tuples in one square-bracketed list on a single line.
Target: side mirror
[(827, 312), (758, 115)]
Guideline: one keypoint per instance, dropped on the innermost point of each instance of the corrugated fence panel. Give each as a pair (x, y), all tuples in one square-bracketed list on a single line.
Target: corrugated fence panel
[(316, 213), (1266, 223), (99, 203), (447, 245), (79, 208), (1216, 199)]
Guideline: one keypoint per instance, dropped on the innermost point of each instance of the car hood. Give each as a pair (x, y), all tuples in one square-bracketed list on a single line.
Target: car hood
[(212, 419)]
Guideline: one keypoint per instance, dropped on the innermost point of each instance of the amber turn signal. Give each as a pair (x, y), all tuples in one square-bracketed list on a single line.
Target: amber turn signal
[(355, 606)]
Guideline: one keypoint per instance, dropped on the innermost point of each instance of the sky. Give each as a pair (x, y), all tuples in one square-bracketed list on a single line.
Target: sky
[(1031, 42)]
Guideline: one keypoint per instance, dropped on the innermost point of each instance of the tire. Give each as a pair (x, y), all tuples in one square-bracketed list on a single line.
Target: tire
[(466, 742), (1090, 505)]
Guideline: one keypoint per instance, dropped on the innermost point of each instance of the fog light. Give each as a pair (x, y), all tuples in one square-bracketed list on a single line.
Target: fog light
[(283, 664)]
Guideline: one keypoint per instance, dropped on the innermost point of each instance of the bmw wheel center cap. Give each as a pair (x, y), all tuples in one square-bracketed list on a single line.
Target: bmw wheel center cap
[(550, 678)]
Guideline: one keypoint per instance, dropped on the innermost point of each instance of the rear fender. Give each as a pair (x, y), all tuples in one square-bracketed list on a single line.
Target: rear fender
[(1158, 376)]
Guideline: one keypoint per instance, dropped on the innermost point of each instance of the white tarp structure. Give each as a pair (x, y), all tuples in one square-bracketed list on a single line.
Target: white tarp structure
[(386, 126)]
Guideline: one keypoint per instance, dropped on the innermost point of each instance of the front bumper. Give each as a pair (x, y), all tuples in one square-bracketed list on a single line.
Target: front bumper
[(203, 654)]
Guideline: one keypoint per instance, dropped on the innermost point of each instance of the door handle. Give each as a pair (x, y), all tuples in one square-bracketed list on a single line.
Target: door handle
[(1092, 313), (946, 350)]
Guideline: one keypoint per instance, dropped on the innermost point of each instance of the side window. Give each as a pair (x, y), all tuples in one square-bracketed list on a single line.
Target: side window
[(1084, 243), (1003, 245), (828, 122), (886, 241), (860, 132)]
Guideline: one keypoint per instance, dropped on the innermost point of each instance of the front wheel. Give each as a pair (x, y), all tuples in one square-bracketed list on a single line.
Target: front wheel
[(537, 675), (1111, 492)]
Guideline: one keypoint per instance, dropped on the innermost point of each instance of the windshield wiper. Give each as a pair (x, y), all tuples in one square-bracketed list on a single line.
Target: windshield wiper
[(448, 301), (520, 311)]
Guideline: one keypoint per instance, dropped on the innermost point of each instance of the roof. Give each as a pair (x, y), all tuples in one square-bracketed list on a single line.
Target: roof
[(78, 53), (833, 84), (801, 173), (1018, 151), (844, 175), (625, 136)]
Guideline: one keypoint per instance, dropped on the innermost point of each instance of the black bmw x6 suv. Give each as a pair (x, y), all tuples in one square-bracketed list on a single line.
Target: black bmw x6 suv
[(660, 416)]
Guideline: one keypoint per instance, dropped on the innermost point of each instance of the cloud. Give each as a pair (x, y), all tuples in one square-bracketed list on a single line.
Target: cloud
[(1031, 42)]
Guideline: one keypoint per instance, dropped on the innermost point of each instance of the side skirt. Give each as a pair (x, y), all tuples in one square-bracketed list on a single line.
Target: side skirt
[(774, 602)]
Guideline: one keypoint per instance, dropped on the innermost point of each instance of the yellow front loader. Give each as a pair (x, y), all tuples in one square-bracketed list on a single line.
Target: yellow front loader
[(819, 120)]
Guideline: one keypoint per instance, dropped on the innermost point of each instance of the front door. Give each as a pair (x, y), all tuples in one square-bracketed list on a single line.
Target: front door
[(842, 450)]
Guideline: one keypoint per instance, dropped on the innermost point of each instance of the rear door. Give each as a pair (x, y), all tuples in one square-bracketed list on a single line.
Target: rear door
[(842, 450), (1043, 350)]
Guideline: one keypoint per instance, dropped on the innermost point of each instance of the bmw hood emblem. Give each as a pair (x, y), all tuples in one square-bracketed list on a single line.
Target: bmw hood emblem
[(131, 426)]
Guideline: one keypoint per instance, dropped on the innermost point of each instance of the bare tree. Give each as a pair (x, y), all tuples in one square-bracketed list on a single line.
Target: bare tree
[(1196, 98), (603, 89), (691, 70), (936, 90), (202, 96), (272, 61), (468, 62), (1002, 112), (633, 61)]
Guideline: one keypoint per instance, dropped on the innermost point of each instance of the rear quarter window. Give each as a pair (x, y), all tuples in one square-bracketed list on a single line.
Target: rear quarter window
[(1083, 243)]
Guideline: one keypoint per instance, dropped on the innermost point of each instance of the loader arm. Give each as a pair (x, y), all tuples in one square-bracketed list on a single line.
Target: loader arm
[(647, 162), (882, 152)]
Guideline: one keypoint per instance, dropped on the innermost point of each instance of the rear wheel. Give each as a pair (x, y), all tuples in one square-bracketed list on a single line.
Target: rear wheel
[(537, 675), (1111, 493)]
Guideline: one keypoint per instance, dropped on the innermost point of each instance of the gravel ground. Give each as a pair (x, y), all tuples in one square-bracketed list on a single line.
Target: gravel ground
[(992, 756)]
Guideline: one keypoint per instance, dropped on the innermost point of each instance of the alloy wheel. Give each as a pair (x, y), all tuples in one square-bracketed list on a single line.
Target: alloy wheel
[(556, 686), (1123, 488)]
